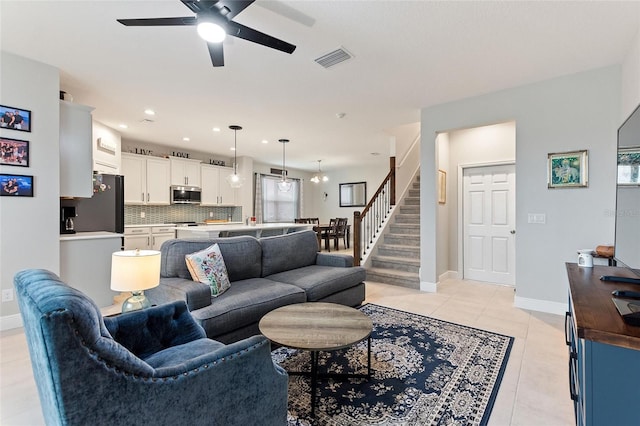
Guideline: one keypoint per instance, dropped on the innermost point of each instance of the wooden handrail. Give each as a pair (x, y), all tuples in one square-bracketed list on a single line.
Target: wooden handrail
[(368, 223)]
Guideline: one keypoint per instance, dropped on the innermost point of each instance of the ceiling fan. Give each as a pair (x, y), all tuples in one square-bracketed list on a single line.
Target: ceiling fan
[(214, 20)]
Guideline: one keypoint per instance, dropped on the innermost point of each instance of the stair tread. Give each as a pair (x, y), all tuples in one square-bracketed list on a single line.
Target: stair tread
[(393, 272), (399, 259)]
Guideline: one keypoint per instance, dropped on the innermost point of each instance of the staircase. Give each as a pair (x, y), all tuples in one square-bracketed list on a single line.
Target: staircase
[(397, 260)]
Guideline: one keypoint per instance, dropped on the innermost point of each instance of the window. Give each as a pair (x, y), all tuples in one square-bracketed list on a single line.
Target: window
[(279, 206)]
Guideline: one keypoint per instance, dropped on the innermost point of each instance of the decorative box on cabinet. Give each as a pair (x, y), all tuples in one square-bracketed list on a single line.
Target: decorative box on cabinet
[(185, 171), (147, 179), (604, 352), (215, 189), (76, 150)]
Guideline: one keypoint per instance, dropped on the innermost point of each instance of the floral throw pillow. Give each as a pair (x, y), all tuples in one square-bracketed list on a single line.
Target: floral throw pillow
[(207, 266)]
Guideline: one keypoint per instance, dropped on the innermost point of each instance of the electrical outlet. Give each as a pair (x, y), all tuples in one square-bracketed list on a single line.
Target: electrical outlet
[(7, 295), (143, 215)]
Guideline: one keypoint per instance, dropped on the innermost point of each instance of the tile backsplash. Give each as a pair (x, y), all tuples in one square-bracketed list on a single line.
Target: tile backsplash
[(178, 213)]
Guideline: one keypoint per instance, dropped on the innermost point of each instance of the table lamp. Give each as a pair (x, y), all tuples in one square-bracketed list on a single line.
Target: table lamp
[(135, 271)]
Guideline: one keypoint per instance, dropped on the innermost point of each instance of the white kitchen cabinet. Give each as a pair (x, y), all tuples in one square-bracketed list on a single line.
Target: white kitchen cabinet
[(147, 237), (185, 171), (215, 189), (146, 179), (76, 150)]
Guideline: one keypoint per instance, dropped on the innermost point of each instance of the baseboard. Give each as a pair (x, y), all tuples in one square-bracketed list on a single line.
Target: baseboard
[(556, 308), (8, 322), (428, 287), (449, 275)]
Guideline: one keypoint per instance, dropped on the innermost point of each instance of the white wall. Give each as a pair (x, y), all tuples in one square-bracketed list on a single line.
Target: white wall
[(631, 78), (574, 112), (476, 146), (106, 161), (29, 230)]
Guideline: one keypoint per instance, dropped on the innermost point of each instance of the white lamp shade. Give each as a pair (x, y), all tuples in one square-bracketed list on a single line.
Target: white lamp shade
[(135, 270)]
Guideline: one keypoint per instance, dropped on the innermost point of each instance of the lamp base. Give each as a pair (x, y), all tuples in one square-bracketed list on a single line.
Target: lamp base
[(136, 302)]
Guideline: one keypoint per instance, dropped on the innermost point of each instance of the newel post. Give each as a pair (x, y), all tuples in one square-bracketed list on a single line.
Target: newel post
[(392, 194), (357, 230)]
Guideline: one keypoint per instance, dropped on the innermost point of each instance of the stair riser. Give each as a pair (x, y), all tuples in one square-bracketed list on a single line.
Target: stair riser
[(412, 201), (414, 193), (408, 252), (400, 282), (408, 218), (410, 209), (404, 239), (405, 230), (395, 266)]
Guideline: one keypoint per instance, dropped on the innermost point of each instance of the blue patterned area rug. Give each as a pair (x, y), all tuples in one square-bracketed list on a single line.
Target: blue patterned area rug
[(424, 372)]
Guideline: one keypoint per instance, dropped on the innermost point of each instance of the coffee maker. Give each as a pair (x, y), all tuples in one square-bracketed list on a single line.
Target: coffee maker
[(66, 220)]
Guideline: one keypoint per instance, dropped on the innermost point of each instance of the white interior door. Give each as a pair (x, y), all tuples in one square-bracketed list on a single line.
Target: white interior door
[(489, 223)]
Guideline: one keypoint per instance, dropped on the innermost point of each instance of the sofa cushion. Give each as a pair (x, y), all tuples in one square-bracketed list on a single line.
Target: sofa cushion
[(321, 281), (246, 302), (290, 251), (242, 256), (207, 266)]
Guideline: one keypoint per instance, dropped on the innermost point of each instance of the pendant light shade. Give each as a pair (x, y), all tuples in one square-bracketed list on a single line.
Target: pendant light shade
[(284, 185), (319, 177), (234, 180)]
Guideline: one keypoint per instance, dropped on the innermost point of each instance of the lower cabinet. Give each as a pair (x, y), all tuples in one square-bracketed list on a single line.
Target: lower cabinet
[(147, 237), (603, 379)]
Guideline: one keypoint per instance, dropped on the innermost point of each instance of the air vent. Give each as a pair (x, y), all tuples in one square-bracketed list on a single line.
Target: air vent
[(147, 121), (334, 58)]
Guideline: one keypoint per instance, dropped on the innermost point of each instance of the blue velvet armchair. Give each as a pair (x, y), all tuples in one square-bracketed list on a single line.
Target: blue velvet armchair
[(154, 366)]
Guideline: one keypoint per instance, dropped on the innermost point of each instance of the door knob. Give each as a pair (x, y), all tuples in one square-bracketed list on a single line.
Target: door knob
[(513, 231)]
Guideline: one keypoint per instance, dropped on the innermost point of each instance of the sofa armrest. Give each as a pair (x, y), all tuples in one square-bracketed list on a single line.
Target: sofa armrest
[(148, 331), (340, 260), (196, 295)]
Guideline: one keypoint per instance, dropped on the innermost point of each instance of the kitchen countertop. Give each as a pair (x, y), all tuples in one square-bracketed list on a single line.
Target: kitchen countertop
[(96, 235), (140, 225), (236, 226)]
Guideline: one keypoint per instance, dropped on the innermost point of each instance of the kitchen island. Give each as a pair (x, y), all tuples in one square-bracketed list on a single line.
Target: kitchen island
[(233, 229)]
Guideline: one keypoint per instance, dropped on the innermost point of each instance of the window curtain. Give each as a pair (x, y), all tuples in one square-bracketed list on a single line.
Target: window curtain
[(257, 201), (274, 206)]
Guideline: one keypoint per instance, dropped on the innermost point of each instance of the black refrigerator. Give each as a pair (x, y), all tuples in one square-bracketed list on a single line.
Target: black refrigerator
[(105, 210)]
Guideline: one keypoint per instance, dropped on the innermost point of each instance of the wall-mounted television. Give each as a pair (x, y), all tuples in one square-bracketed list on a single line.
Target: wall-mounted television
[(627, 237)]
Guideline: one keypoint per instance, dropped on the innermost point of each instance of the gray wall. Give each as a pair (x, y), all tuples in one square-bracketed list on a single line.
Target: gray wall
[(29, 231), (580, 111)]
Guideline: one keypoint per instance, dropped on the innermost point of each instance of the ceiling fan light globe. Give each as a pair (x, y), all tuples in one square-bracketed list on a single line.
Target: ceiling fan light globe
[(325, 178), (213, 33), (315, 179)]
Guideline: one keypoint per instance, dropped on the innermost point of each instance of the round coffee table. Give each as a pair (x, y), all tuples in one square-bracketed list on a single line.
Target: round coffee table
[(317, 326)]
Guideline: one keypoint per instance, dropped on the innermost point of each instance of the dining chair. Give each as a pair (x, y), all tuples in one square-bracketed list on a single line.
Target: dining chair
[(330, 234)]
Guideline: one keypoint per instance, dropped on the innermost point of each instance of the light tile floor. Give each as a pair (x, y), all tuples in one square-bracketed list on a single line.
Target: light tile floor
[(534, 390)]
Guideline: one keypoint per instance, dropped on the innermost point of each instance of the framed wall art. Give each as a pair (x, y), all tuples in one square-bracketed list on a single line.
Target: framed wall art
[(629, 166), (14, 152), (16, 185), (15, 118), (442, 187), (567, 169)]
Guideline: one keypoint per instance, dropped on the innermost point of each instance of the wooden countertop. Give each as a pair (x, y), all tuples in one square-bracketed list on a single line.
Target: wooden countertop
[(596, 317)]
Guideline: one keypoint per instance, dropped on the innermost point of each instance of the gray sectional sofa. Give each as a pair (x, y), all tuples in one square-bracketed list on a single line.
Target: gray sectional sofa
[(265, 274)]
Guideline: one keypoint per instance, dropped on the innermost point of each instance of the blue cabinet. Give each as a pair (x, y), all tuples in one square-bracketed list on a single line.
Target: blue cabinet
[(604, 354)]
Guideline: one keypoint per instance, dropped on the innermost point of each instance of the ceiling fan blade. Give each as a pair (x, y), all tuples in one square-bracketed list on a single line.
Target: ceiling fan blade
[(249, 34), (158, 22), (217, 54)]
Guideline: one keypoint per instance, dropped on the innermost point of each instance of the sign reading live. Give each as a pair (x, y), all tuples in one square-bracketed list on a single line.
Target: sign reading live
[(178, 154)]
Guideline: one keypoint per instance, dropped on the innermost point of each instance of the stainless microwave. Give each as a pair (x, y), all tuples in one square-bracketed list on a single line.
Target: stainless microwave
[(185, 194)]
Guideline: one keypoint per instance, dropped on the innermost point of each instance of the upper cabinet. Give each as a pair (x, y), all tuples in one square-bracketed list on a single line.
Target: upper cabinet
[(185, 171), (76, 151), (146, 179), (215, 189)]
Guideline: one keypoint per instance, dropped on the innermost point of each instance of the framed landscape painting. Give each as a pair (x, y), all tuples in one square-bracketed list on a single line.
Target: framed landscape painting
[(567, 169), (15, 118), (14, 152)]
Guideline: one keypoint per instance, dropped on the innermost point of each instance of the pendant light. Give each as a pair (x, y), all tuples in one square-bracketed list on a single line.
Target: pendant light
[(319, 176), (284, 185), (234, 180)]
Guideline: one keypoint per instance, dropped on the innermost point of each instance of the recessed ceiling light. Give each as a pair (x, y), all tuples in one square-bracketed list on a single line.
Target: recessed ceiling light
[(216, 129), (375, 153), (265, 141), (149, 112), (186, 139), (232, 149), (123, 126)]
